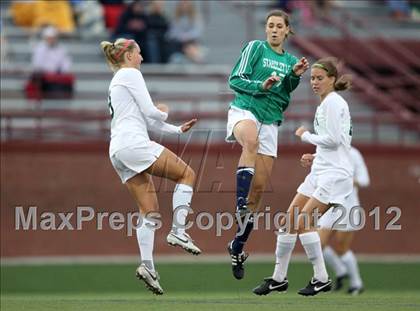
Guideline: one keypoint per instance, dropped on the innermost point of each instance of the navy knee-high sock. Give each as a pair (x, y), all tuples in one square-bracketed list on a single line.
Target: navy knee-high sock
[(243, 183)]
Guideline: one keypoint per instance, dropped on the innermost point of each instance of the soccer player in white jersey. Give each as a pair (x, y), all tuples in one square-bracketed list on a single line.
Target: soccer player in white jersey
[(136, 158), (341, 258), (329, 182)]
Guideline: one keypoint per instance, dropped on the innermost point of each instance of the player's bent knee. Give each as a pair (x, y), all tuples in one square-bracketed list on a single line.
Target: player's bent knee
[(189, 175), (251, 145), (303, 223)]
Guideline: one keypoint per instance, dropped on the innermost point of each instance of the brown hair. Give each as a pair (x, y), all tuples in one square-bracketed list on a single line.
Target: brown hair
[(330, 64), (114, 52), (284, 15)]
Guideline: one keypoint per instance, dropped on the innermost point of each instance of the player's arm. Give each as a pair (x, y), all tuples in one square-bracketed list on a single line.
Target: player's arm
[(137, 87), (333, 132), (161, 126), (292, 79), (239, 79)]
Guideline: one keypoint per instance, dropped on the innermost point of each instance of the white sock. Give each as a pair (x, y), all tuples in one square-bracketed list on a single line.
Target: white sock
[(180, 202), (285, 245), (145, 239), (312, 245), (350, 262), (332, 260)]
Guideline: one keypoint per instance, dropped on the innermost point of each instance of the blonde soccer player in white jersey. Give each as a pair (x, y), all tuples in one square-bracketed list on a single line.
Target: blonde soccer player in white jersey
[(136, 158), (329, 182)]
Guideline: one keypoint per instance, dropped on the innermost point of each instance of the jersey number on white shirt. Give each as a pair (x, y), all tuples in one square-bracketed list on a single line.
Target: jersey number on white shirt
[(111, 109)]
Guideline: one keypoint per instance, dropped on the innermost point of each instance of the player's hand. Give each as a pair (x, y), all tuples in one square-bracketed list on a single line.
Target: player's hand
[(267, 84), (299, 132), (307, 159), (188, 125), (301, 66), (163, 108)]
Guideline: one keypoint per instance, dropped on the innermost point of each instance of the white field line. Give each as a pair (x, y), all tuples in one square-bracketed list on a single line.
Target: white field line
[(219, 258)]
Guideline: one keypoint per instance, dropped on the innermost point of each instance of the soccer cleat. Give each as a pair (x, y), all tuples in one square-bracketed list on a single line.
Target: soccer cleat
[(150, 279), (271, 285), (237, 263), (184, 241), (355, 291), (315, 287), (338, 284)]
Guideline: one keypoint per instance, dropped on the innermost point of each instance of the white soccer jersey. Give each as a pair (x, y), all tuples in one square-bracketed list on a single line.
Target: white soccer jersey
[(361, 177), (332, 125), (133, 111)]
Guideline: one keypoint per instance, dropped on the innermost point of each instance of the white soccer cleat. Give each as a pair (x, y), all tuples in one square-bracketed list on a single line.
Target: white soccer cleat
[(150, 278), (183, 240)]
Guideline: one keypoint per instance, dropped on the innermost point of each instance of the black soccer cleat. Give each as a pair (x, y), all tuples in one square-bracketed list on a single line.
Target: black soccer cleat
[(354, 291), (270, 285), (237, 263), (314, 287), (339, 282)]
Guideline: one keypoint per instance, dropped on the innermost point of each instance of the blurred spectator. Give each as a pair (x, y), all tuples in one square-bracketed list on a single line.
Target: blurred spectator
[(156, 33), (38, 13), (51, 66), (49, 55), (400, 9), (415, 10), (112, 10), (90, 18), (185, 32), (133, 25)]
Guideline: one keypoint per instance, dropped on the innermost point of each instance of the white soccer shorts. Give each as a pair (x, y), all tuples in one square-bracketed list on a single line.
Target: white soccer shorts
[(267, 136), (133, 160), (328, 188)]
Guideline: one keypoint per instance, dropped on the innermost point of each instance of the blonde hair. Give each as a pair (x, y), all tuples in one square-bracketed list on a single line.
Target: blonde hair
[(330, 64), (114, 52)]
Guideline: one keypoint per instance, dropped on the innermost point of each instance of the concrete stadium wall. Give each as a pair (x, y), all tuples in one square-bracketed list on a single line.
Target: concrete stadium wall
[(58, 179)]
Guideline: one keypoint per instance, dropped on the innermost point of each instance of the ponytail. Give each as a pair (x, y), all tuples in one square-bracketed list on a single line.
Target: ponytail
[(343, 83)]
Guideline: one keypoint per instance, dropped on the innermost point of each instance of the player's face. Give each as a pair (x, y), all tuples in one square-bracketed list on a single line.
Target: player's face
[(276, 30), (321, 84), (137, 58)]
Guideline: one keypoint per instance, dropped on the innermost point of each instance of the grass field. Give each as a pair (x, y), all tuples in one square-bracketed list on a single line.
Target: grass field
[(188, 287)]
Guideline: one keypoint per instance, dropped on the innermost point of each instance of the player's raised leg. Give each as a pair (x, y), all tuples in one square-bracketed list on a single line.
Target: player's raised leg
[(170, 166), (246, 134)]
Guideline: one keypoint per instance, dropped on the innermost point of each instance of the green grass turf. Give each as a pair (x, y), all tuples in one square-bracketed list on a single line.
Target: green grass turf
[(197, 287)]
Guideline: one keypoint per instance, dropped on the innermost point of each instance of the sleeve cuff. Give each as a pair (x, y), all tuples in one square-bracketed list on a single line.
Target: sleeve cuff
[(293, 75), (305, 136)]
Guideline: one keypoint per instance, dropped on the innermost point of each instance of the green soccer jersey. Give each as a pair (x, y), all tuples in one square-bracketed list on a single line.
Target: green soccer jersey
[(258, 62)]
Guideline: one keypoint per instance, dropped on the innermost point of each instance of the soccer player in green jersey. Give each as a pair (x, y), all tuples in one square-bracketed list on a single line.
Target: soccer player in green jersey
[(263, 78)]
